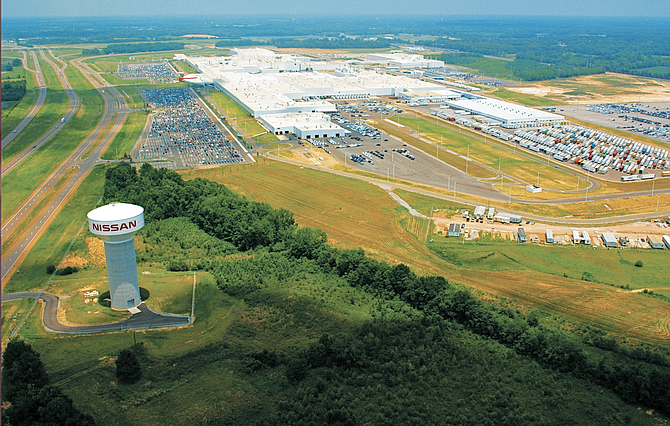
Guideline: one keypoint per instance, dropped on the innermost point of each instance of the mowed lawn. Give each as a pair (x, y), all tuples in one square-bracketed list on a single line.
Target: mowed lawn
[(357, 214)]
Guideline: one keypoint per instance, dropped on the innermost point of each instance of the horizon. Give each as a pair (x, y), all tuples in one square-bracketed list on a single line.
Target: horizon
[(12, 9)]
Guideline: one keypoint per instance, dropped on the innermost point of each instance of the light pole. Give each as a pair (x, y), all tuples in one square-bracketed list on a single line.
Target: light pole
[(653, 184), (393, 170), (467, 160), (658, 200)]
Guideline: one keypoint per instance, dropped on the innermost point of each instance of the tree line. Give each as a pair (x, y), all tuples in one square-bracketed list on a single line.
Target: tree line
[(32, 401), (134, 48), (249, 225)]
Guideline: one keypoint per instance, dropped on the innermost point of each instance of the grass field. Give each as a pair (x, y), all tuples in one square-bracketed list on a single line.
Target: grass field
[(55, 106), (226, 104), (129, 134), (14, 114), (489, 155), (347, 217), (23, 180), (460, 162), (51, 247), (521, 98)]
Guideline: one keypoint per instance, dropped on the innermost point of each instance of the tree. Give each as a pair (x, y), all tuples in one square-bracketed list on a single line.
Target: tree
[(127, 367), (45, 406), (21, 368), (639, 263)]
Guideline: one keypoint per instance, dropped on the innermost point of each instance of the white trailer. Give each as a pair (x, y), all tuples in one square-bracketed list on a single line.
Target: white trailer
[(550, 236), (586, 238)]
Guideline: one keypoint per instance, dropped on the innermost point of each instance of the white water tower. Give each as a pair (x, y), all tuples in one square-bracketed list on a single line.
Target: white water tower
[(116, 224)]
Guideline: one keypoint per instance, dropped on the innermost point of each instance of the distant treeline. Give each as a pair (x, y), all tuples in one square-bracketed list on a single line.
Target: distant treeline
[(13, 90), (134, 48), (310, 43), (281, 250), (548, 57)]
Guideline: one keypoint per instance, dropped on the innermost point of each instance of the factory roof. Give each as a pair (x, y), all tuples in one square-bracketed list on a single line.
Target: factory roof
[(504, 111)]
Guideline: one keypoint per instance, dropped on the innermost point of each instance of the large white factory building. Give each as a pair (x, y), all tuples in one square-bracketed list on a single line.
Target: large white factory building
[(288, 93)]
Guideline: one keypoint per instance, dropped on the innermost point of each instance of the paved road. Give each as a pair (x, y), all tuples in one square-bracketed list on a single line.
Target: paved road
[(145, 319), (81, 161), (41, 96), (570, 221), (73, 101)]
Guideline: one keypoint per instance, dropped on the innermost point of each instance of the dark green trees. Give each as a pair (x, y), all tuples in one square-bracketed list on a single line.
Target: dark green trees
[(127, 367)]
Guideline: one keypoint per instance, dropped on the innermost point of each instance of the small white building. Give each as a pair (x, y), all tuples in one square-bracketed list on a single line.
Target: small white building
[(305, 126)]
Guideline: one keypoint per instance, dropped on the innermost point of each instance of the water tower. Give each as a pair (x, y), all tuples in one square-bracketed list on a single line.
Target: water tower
[(116, 224)]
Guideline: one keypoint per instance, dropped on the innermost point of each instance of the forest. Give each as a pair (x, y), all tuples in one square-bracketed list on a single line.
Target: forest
[(13, 90), (441, 318), (537, 48)]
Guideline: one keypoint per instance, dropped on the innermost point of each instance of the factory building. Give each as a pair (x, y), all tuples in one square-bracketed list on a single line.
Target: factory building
[(511, 116), (305, 126)]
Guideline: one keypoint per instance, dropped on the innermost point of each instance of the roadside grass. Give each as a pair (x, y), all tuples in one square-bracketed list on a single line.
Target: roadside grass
[(125, 140), (277, 146), (225, 103), (11, 117), (183, 67), (20, 182), (12, 314), (50, 248), (251, 126), (133, 99), (267, 137), (423, 204), (461, 163), (34, 216), (517, 166), (522, 98), (54, 108), (169, 292)]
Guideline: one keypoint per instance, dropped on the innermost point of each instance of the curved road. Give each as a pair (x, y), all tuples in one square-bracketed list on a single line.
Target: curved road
[(38, 103), (145, 319)]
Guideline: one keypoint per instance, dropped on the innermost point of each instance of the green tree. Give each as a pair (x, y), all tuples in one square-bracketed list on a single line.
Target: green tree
[(21, 368), (127, 367)]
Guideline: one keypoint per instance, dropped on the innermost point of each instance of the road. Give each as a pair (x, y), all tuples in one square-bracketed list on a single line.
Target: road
[(41, 96), (145, 319), (73, 104), (81, 161)]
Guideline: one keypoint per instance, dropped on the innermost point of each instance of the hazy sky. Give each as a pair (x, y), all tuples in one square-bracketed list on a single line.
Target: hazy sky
[(66, 8)]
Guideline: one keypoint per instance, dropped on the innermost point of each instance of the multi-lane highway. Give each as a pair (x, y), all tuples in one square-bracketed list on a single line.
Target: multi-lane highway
[(41, 96), (83, 158), (73, 104)]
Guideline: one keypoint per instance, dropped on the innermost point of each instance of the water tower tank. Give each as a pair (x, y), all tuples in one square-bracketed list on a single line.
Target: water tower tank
[(116, 224)]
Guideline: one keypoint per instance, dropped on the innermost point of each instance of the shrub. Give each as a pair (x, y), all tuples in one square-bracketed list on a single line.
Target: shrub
[(639, 263)]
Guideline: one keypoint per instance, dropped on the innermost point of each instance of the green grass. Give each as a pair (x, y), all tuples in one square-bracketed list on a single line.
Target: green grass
[(20, 182), (521, 98), (127, 137), (488, 154), (266, 138), (490, 67), (12, 116), (55, 106), (356, 214), (183, 67), (251, 127), (227, 105), (51, 247)]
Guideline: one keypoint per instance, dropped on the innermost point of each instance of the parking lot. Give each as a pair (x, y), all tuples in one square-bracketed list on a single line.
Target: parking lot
[(183, 134), (160, 72)]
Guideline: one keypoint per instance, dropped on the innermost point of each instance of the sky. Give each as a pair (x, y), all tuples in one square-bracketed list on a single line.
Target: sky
[(74, 8)]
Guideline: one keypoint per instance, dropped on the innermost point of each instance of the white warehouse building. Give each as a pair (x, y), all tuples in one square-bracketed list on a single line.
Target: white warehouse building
[(511, 115), (305, 126)]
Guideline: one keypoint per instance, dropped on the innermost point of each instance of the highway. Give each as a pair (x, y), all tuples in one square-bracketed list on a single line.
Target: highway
[(79, 161), (145, 319), (41, 96), (73, 104)]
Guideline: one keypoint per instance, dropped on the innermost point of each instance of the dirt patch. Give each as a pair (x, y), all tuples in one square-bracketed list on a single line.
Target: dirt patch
[(599, 88)]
